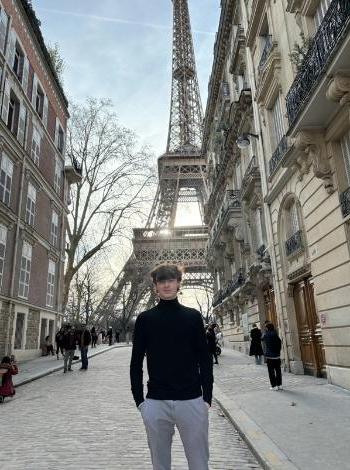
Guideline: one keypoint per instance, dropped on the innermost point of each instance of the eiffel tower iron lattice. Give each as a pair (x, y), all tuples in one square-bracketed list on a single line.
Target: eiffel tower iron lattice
[(181, 173)]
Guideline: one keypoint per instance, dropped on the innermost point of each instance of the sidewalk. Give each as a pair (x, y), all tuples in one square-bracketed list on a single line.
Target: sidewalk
[(306, 426), (44, 365)]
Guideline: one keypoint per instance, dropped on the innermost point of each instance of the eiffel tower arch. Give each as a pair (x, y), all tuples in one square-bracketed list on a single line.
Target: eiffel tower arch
[(181, 179)]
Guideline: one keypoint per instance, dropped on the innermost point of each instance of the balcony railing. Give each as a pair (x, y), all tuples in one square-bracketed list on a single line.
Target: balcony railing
[(319, 55), (345, 202), (78, 167), (229, 288), (232, 200), (294, 244), (266, 52), (278, 154)]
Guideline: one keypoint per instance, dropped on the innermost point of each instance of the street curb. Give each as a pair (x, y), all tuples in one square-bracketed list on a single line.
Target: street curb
[(60, 367), (269, 455)]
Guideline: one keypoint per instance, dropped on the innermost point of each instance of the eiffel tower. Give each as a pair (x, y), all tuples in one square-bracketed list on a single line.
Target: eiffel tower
[(181, 173)]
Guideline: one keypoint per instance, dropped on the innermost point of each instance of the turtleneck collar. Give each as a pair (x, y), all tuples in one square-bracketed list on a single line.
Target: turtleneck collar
[(169, 304)]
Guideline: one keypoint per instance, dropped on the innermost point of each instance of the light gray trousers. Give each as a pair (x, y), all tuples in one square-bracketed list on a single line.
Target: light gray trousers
[(191, 419)]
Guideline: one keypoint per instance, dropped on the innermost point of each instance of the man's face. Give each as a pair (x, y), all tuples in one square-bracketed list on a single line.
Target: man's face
[(167, 289)]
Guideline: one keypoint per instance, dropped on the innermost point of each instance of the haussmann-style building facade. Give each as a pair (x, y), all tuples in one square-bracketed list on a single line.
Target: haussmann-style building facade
[(34, 185), (277, 145)]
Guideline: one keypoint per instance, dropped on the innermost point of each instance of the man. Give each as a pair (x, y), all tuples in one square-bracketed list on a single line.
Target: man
[(69, 345), (110, 336), (180, 374), (84, 342), (211, 339)]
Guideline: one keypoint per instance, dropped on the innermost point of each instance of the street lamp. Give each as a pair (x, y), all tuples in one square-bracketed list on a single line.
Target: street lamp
[(243, 140)]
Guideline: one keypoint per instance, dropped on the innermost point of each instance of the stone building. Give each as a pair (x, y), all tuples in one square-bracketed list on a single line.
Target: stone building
[(33, 184), (277, 144)]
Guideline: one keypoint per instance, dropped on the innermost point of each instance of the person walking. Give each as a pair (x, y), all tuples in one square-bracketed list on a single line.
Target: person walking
[(59, 342), (211, 339), (180, 373), (273, 356), (84, 342), (94, 337), (117, 336), (8, 368), (255, 344), (49, 346), (69, 345), (110, 336)]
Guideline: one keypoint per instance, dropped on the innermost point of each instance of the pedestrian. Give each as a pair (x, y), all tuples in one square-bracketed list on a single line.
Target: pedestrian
[(255, 344), (211, 340), (69, 345), (117, 336), (110, 336), (8, 368), (180, 373), (94, 337), (84, 342), (59, 342), (49, 346), (273, 356), (103, 335)]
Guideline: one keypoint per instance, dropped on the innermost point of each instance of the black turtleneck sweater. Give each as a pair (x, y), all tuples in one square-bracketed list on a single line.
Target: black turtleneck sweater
[(178, 362)]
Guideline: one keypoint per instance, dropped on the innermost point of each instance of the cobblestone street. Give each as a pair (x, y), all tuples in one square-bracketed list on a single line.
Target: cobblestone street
[(87, 420)]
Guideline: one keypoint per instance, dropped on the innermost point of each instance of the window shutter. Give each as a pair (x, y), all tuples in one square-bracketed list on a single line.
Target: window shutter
[(6, 101), (25, 74), (3, 29), (11, 48), (22, 124), (35, 90), (45, 110)]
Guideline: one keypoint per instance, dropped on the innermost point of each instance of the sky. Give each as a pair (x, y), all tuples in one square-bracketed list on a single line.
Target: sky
[(121, 49)]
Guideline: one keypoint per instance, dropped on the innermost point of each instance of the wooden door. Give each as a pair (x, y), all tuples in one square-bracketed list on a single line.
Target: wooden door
[(270, 307), (309, 329)]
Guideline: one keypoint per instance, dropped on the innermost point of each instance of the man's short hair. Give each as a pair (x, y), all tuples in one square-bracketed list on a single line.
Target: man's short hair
[(165, 272)]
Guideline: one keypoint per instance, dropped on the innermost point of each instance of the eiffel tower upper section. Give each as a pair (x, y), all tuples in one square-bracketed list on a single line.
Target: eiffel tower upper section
[(185, 126)]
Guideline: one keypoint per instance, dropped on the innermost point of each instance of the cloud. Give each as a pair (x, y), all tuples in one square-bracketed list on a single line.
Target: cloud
[(115, 20)]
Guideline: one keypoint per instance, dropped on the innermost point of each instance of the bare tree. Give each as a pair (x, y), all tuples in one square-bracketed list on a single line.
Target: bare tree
[(111, 193), (205, 306)]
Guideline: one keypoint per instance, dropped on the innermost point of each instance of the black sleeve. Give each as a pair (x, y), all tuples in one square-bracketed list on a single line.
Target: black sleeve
[(136, 364), (205, 361)]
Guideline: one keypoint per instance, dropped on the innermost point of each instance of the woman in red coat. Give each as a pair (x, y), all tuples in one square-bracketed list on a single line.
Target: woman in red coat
[(7, 369)]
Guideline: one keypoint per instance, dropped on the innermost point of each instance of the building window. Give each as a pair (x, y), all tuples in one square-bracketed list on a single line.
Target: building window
[(36, 142), (54, 228), (277, 122), (39, 101), (321, 11), (4, 19), (292, 220), (31, 205), (345, 147), (58, 175), (6, 179), (19, 330), (24, 275), (18, 62), (60, 140), (3, 237), (13, 113), (51, 284)]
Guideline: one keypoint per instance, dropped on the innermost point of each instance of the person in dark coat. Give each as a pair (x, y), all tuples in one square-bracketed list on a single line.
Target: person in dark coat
[(94, 337), (255, 344), (84, 342), (69, 345), (273, 345), (59, 342), (211, 340), (8, 368), (110, 336)]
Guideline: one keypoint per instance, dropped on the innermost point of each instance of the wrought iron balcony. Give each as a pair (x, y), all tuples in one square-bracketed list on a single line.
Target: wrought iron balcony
[(294, 244), (278, 155), (251, 177), (74, 172), (229, 288), (266, 52), (319, 55), (345, 202), (231, 203)]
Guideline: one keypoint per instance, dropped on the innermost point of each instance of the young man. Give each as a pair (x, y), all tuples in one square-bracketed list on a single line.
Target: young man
[(180, 373)]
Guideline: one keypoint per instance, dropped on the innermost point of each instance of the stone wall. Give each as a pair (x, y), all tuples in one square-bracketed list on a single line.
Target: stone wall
[(33, 327)]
